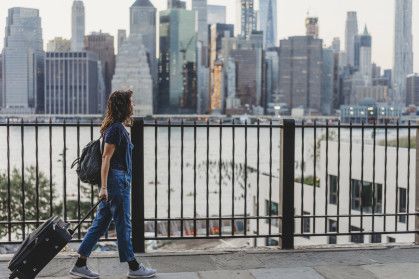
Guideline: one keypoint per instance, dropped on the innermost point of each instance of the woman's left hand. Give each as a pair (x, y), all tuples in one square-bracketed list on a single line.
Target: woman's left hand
[(103, 193)]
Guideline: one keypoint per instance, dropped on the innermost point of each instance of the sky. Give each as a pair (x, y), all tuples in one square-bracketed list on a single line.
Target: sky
[(111, 15)]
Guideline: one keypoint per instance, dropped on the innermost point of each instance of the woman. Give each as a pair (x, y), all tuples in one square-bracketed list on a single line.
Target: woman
[(116, 180)]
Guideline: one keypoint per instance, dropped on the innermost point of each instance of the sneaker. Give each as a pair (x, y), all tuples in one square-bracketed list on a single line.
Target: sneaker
[(83, 272), (142, 272)]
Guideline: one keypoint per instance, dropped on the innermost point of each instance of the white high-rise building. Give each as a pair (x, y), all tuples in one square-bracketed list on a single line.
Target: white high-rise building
[(133, 72), (268, 22), (350, 33), (23, 62), (403, 54), (246, 18), (77, 26)]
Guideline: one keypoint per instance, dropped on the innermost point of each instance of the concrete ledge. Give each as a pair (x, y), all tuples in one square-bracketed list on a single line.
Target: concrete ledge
[(344, 262)]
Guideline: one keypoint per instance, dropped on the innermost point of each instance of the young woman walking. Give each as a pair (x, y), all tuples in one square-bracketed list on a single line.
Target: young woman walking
[(116, 181)]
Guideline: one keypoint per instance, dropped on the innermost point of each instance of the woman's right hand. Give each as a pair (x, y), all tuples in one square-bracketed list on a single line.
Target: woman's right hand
[(103, 193)]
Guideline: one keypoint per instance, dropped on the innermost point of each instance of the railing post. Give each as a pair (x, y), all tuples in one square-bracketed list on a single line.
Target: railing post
[(286, 191), (417, 188), (137, 192)]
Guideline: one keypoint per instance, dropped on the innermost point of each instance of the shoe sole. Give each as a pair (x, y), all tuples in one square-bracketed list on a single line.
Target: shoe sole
[(82, 275), (142, 276)]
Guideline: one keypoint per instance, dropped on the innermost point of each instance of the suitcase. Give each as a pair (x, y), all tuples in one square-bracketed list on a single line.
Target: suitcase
[(41, 246)]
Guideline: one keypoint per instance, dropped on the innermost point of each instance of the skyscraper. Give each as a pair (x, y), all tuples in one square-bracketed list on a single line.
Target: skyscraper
[(300, 71), (412, 89), (336, 45), (268, 22), (122, 36), (403, 54), (362, 54), (143, 22), (23, 62), (200, 7), (246, 19), (72, 83), (216, 14), (103, 45), (312, 27), (327, 82), (177, 62), (350, 33), (77, 26), (133, 72)]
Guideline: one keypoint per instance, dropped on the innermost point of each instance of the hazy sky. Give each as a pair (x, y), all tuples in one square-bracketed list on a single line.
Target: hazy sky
[(111, 15)]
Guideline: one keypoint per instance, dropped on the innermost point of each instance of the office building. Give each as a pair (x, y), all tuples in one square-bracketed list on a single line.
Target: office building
[(216, 14), (362, 52), (72, 83), (336, 45), (327, 82), (122, 36), (176, 4), (103, 45), (143, 22), (268, 22), (23, 62), (177, 63), (133, 72), (312, 27), (350, 32), (217, 33), (246, 19), (77, 26), (300, 72), (388, 74), (59, 44), (200, 7), (412, 90), (272, 76), (403, 53)]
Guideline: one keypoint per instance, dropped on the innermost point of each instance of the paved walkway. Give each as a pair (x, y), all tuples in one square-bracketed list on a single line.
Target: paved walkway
[(400, 262)]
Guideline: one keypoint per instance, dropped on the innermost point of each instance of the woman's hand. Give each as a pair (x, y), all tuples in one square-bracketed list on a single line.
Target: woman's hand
[(103, 193)]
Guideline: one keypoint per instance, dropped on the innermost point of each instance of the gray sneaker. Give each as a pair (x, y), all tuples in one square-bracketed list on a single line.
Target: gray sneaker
[(142, 272), (83, 272)]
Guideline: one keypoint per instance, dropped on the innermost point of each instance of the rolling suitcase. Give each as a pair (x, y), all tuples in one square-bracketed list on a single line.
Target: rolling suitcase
[(41, 246)]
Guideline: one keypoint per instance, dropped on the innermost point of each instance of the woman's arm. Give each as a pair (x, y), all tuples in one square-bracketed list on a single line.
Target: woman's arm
[(106, 160)]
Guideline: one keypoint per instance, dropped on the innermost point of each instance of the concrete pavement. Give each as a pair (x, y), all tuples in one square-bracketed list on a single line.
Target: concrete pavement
[(347, 262)]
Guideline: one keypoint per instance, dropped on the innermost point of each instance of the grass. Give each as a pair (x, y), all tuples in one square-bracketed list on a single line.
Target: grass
[(403, 142), (308, 181)]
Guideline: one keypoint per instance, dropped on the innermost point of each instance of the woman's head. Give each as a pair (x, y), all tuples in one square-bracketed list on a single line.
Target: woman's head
[(120, 109)]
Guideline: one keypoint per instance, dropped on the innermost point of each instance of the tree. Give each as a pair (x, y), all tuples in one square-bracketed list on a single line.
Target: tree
[(16, 199)]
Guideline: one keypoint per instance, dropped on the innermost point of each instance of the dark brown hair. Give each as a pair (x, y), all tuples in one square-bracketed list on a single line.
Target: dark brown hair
[(120, 109)]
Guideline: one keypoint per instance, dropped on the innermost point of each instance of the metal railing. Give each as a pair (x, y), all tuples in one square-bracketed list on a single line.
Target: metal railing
[(208, 180)]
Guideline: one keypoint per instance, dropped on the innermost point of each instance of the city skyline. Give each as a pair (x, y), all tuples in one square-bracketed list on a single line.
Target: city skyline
[(289, 23)]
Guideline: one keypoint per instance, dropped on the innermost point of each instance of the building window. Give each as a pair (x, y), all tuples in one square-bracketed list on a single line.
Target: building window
[(274, 212), (391, 239), (306, 223), (402, 204), (333, 227), (356, 238), (368, 198), (376, 238), (271, 242), (333, 189)]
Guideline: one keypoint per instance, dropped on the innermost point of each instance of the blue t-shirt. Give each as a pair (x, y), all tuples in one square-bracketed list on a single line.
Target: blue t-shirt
[(118, 135)]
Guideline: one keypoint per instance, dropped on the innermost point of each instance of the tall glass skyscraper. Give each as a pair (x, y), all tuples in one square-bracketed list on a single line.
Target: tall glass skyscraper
[(23, 62), (350, 33), (177, 63), (200, 6), (77, 26), (363, 54), (268, 22), (403, 54)]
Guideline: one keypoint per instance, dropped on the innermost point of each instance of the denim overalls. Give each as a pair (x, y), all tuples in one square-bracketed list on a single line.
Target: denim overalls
[(118, 208)]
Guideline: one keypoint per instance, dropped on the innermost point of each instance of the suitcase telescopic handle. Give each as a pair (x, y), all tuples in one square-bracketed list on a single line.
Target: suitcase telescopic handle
[(71, 231)]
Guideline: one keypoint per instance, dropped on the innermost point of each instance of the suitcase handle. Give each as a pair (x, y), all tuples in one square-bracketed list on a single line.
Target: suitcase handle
[(71, 231)]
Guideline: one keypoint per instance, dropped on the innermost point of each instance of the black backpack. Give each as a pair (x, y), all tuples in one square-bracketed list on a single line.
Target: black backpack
[(90, 163)]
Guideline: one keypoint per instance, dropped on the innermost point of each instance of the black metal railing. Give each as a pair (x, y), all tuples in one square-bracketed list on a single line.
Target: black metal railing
[(275, 182)]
